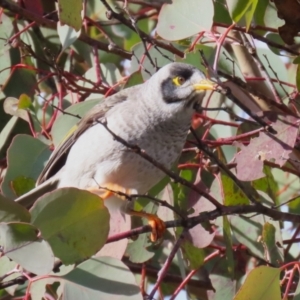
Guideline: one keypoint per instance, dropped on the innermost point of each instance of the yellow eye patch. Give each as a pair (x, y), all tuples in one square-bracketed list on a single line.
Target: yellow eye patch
[(178, 80)]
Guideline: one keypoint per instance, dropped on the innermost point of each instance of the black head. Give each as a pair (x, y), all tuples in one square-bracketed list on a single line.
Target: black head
[(182, 82)]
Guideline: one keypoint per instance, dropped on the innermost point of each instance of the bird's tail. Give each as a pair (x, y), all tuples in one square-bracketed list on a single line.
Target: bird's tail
[(29, 198)]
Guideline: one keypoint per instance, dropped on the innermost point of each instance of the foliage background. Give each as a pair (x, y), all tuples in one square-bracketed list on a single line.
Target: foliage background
[(68, 55)]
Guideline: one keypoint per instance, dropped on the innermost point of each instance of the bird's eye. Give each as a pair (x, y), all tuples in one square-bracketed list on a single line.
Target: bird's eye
[(178, 80)]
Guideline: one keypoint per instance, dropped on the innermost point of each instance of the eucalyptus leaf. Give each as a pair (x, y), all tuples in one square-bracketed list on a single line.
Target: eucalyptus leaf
[(74, 222), (101, 278), (180, 19), (21, 243)]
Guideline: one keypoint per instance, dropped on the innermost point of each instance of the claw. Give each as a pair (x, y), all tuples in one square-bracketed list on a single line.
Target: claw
[(158, 228)]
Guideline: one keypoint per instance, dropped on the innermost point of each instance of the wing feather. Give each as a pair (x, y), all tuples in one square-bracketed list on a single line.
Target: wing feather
[(97, 113)]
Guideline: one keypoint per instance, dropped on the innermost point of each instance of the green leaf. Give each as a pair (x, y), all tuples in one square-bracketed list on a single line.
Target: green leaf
[(298, 78), (20, 81), (271, 17), (27, 162), (224, 287), (261, 283), (47, 285), (21, 185), (181, 19), (192, 254), (24, 109), (129, 37), (11, 107), (21, 244), (180, 191), (74, 222), (67, 35), (232, 194), (294, 205), (101, 278), (7, 52), (6, 266), (64, 122), (296, 60), (24, 102), (238, 8), (273, 253), (267, 184), (134, 79), (11, 211), (228, 242), (110, 74), (161, 58), (221, 12), (7, 131), (69, 12), (276, 38), (250, 13), (138, 251), (297, 292), (260, 12), (247, 230)]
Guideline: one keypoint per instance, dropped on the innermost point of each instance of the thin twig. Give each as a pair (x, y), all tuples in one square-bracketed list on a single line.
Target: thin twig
[(138, 31), (256, 93), (155, 200), (141, 152), (252, 51), (165, 267), (42, 21), (192, 273), (223, 167), (276, 76), (120, 17), (260, 38), (227, 92)]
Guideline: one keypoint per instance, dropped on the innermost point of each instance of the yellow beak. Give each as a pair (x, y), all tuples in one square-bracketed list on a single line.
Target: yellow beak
[(204, 85)]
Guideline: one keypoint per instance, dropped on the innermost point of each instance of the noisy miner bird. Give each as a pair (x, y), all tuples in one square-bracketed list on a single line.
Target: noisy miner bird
[(154, 116)]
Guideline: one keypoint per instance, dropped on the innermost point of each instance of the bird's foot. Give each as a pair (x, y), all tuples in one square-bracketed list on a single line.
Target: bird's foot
[(112, 189), (158, 226)]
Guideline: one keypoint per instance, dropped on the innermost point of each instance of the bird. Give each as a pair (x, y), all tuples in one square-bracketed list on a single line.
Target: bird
[(154, 116)]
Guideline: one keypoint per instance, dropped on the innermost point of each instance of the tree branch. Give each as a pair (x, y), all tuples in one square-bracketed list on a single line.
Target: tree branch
[(41, 21)]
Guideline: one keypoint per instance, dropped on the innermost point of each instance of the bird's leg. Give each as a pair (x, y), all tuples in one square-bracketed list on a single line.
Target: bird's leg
[(111, 189)]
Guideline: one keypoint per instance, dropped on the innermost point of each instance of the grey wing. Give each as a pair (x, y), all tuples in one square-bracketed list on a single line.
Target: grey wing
[(97, 113)]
